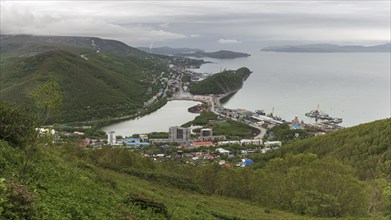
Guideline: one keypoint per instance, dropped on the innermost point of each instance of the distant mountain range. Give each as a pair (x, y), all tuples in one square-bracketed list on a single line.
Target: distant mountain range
[(29, 45), (330, 48), (169, 50), (191, 52)]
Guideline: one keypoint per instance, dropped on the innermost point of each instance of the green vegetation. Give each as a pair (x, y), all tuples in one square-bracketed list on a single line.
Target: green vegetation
[(158, 135), (16, 125), (221, 83), (344, 174), (48, 100), (64, 180), (229, 128), (93, 89), (307, 185), (201, 119), (71, 183), (232, 129), (285, 134), (364, 149), (112, 83)]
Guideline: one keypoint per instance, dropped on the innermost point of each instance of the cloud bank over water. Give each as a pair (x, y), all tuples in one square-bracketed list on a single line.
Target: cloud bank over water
[(201, 22)]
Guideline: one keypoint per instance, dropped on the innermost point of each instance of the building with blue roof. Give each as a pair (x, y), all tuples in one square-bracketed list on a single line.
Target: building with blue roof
[(135, 142)]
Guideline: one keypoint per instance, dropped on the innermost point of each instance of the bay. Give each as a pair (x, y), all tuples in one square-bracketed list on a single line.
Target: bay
[(354, 86)]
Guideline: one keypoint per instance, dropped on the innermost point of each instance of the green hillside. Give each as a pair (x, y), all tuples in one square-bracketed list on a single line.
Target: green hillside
[(367, 148), (220, 83), (108, 84), (40, 179), (60, 185), (28, 45)]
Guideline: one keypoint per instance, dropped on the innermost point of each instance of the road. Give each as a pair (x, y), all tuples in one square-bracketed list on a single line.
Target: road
[(217, 104), (261, 134), (214, 103)]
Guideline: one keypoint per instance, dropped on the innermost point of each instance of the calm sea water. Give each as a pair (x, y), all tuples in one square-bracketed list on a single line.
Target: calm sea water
[(174, 113), (354, 86)]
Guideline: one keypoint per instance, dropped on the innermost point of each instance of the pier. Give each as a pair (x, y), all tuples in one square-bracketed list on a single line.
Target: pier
[(324, 120)]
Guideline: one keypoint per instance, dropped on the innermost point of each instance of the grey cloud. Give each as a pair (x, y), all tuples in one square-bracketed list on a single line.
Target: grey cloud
[(229, 41), (138, 22)]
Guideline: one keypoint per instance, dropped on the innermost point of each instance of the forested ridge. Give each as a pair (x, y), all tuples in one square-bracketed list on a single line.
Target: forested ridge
[(367, 148), (107, 79), (221, 83)]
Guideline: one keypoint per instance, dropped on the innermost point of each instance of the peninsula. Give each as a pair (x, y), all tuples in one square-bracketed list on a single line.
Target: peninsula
[(221, 83)]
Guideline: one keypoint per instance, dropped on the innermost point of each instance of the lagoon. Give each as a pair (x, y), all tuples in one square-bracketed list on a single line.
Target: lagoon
[(174, 113)]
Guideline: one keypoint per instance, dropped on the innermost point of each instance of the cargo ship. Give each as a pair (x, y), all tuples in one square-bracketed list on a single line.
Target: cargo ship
[(325, 118)]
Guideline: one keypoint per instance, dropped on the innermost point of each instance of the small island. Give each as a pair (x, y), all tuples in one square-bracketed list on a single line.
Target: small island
[(221, 83)]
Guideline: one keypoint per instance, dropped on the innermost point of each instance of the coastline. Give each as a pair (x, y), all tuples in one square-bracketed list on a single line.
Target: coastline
[(212, 101), (174, 113), (109, 121)]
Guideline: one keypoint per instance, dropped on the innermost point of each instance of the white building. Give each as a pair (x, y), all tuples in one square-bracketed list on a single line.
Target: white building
[(227, 142), (111, 138), (222, 151), (251, 142), (273, 143), (144, 137)]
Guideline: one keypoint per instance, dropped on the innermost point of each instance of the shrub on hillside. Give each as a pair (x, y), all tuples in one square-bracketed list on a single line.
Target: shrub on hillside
[(17, 126), (17, 201)]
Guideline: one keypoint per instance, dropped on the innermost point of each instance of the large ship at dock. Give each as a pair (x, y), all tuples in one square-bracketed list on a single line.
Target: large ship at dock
[(325, 118)]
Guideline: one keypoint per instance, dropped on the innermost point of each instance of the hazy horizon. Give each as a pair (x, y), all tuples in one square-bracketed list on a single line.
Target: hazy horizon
[(208, 25)]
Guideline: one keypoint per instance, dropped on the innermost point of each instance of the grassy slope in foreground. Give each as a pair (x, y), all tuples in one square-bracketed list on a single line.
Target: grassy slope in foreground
[(69, 188), (221, 83)]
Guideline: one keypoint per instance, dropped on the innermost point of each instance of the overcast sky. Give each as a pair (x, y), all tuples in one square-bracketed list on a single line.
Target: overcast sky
[(203, 24)]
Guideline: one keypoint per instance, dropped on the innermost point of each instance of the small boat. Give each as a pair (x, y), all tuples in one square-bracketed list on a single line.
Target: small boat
[(260, 112)]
